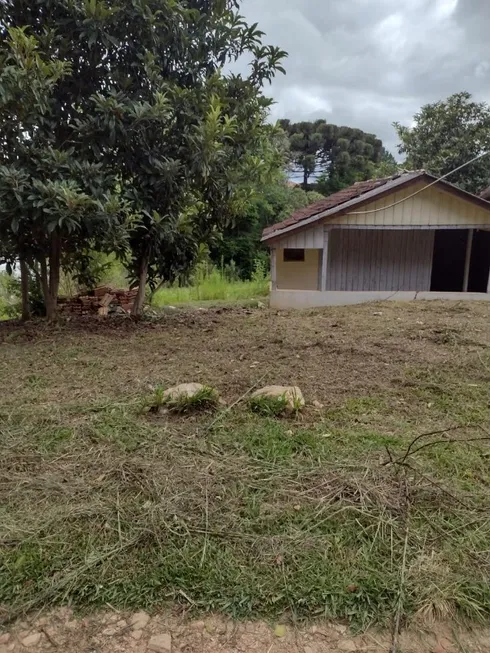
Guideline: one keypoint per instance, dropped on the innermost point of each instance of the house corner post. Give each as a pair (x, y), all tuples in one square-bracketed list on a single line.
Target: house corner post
[(323, 276), (274, 268)]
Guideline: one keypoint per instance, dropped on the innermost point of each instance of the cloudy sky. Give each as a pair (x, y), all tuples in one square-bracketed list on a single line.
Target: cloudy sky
[(367, 63)]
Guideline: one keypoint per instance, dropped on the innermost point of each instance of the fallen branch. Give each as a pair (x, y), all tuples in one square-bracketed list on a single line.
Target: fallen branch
[(408, 452)]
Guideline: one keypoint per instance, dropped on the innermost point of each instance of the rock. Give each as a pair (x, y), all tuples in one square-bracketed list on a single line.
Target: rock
[(184, 390), (317, 404), (292, 394), (139, 620), (137, 635), (5, 648), (4, 638), (31, 640), (340, 628), (280, 630), (161, 643), (109, 631), (444, 645), (347, 645)]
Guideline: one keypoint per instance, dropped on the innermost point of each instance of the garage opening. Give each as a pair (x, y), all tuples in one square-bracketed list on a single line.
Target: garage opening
[(480, 261), (448, 263)]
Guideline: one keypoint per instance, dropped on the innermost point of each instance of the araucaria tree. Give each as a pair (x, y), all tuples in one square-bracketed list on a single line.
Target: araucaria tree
[(333, 156), (143, 102)]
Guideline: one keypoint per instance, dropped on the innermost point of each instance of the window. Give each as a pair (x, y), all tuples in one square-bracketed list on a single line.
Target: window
[(291, 255)]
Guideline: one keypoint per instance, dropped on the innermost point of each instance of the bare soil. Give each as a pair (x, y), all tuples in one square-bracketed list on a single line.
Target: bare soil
[(116, 632), (332, 354)]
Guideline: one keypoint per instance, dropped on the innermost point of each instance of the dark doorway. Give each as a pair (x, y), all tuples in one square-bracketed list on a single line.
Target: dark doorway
[(480, 261), (448, 260)]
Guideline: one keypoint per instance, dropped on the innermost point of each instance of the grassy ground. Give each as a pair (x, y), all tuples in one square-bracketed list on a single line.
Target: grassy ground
[(212, 287), (341, 512)]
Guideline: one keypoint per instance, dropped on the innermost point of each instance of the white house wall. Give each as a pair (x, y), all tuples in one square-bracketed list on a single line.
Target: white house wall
[(307, 239), (379, 259)]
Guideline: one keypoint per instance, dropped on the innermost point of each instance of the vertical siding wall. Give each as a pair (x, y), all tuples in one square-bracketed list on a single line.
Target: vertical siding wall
[(433, 206), (298, 275), (380, 259)]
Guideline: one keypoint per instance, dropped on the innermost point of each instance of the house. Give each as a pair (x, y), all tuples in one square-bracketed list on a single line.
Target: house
[(486, 194), (409, 236)]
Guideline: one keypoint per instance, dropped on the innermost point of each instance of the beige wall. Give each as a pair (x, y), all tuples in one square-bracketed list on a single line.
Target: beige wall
[(430, 207), (298, 275)]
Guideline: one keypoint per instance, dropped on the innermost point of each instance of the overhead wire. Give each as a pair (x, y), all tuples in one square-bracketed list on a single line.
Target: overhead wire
[(421, 190)]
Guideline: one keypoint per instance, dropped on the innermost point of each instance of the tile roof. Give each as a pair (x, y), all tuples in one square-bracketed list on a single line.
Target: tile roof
[(357, 190)]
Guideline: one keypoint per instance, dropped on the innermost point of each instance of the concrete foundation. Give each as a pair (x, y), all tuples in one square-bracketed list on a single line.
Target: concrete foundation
[(284, 299)]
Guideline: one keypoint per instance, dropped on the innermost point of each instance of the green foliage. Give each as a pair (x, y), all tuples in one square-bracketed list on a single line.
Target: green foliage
[(9, 296), (386, 167), (336, 156), (210, 284), (239, 244), (269, 406), (130, 138), (446, 135), (52, 204)]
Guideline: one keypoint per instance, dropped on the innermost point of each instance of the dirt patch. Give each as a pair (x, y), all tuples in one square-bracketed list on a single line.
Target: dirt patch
[(121, 632), (331, 354)]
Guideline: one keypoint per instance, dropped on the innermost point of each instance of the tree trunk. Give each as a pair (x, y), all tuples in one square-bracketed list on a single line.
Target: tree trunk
[(54, 272), (24, 287), (140, 297), (50, 281), (45, 288), (305, 179)]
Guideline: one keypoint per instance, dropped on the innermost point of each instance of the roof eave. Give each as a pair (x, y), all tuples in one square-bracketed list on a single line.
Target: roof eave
[(373, 194), (356, 201)]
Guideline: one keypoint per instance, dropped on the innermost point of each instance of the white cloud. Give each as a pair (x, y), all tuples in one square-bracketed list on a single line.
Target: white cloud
[(367, 63)]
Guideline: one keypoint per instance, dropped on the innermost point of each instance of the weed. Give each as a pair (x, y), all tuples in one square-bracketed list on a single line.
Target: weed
[(213, 285), (269, 406), (205, 398)]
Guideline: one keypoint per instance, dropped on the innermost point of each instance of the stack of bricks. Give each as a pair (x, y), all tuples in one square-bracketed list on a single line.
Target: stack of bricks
[(101, 301)]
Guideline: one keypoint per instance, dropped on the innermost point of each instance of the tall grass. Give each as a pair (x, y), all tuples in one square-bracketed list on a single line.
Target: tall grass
[(214, 284), (9, 296)]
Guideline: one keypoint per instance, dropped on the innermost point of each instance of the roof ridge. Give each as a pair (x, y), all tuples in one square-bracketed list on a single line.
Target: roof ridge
[(337, 199)]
